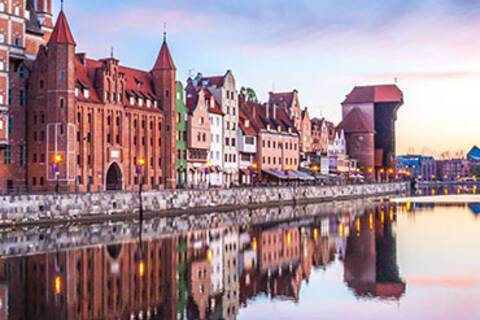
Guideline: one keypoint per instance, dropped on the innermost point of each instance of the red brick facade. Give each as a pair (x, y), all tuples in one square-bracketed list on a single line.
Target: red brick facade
[(21, 35), (100, 119)]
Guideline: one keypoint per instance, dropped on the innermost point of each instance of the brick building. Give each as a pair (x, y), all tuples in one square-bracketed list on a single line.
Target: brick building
[(98, 119), (369, 115), (24, 27)]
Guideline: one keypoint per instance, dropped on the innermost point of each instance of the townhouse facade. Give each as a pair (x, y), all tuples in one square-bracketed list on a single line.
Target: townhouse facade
[(24, 27), (182, 140)]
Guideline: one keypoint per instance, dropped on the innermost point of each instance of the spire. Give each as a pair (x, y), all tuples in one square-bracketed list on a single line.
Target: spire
[(61, 33), (164, 60)]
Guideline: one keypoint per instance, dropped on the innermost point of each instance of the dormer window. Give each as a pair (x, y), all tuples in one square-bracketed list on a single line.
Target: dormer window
[(279, 128), (268, 127), (86, 93), (140, 102), (132, 101), (247, 123), (148, 103), (155, 104), (290, 130), (77, 92)]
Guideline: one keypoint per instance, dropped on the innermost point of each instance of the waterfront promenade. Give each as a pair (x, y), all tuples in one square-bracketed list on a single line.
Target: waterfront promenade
[(88, 207)]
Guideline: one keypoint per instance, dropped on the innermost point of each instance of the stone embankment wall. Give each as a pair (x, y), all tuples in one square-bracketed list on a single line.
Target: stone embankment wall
[(122, 205)]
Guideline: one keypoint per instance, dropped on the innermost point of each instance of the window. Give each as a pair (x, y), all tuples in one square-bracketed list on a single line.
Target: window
[(22, 72), (16, 42), (22, 98), (17, 11), (1, 99), (7, 155), (86, 93), (62, 75), (62, 103), (2, 36), (22, 155), (77, 92), (2, 65)]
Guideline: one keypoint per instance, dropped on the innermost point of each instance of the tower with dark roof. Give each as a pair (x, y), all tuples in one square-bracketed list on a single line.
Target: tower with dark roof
[(378, 106), (164, 75), (52, 107)]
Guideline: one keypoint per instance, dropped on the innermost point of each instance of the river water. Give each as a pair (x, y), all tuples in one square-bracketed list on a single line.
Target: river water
[(348, 260)]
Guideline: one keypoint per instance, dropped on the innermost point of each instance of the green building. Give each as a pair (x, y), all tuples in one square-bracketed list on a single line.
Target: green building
[(181, 131)]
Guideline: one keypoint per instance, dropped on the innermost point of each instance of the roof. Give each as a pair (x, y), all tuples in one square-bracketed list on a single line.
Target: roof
[(282, 97), (164, 59), (374, 94), (474, 154), (247, 130), (61, 33), (217, 81), (355, 122), (192, 100), (33, 24), (257, 114), (138, 83)]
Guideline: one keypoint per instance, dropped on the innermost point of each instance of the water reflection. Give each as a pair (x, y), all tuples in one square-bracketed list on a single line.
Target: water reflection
[(207, 273)]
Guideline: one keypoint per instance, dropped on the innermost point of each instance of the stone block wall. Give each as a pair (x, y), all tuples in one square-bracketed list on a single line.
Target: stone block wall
[(35, 208)]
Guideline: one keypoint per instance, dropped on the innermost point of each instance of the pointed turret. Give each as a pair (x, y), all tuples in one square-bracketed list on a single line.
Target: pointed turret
[(61, 33), (164, 59)]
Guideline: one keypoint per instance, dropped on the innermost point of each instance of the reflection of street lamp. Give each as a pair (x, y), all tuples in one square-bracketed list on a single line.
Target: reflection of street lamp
[(57, 285), (57, 160)]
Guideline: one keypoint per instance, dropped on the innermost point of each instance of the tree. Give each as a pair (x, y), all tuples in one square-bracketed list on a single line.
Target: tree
[(249, 94)]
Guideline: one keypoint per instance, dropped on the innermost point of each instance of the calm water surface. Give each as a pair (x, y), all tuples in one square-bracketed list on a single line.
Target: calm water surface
[(378, 262)]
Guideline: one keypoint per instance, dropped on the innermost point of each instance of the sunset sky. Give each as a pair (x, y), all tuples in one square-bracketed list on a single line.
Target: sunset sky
[(322, 48)]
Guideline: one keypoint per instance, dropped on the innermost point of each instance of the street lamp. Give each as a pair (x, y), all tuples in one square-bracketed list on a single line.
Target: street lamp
[(139, 170), (254, 172), (57, 160)]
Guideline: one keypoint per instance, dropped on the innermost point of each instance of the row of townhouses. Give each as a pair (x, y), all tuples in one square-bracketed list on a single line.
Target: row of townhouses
[(72, 123)]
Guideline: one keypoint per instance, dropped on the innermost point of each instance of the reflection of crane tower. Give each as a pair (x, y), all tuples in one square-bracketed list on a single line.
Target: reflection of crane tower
[(371, 259)]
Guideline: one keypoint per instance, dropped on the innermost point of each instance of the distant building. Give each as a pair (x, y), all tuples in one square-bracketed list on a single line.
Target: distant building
[(182, 141), (474, 154), (453, 169), (322, 133), (417, 166), (370, 130)]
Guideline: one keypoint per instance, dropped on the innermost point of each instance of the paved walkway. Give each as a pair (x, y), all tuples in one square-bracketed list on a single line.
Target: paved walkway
[(450, 199)]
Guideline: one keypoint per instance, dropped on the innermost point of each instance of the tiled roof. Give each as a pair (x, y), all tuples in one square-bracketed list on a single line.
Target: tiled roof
[(213, 81), (138, 83), (374, 94), (257, 114), (282, 97), (193, 99), (247, 130), (61, 33), (164, 59), (355, 122), (216, 109)]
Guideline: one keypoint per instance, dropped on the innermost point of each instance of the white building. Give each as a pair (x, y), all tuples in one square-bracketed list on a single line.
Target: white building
[(216, 245), (225, 92), (231, 281), (215, 156)]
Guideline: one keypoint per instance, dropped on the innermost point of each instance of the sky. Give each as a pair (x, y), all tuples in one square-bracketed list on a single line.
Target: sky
[(321, 48)]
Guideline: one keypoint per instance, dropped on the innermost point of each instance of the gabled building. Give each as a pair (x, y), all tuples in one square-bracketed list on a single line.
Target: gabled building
[(199, 139), (290, 103), (277, 141), (94, 123), (247, 147), (322, 133), (181, 136), (24, 27), (224, 89)]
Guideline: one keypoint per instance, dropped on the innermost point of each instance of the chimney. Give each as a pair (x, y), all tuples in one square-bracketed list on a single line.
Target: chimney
[(267, 108)]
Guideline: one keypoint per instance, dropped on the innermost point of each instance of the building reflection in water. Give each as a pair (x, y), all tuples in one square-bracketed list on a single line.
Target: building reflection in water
[(202, 274), (370, 266)]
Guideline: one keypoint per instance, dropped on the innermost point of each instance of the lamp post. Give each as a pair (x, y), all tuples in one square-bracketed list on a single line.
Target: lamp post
[(254, 172), (57, 160), (139, 170)]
